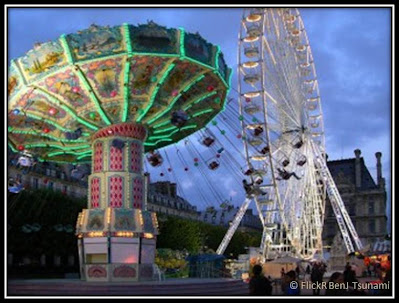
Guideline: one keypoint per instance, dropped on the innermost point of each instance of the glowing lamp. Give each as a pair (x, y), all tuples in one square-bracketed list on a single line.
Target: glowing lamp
[(21, 147), (46, 130), (52, 111)]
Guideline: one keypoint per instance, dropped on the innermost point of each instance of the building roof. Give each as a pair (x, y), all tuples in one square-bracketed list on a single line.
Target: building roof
[(347, 167)]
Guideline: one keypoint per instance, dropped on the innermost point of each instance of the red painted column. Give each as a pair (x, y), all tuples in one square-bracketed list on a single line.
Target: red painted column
[(117, 179)]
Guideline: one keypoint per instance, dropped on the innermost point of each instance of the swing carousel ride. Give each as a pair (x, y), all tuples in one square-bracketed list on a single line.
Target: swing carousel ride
[(108, 95)]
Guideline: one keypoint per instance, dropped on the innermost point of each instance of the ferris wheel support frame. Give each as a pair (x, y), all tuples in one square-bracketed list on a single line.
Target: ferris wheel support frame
[(235, 224), (339, 209)]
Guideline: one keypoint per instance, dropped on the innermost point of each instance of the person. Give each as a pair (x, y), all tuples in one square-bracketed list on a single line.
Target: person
[(259, 180), (154, 159), (298, 144), (308, 269), (265, 150), (388, 281), (349, 274), (316, 277), (15, 186), (297, 272), (249, 172), (179, 118), (259, 285), (208, 141), (350, 278), (289, 289), (250, 189), (286, 175), (336, 285), (258, 130), (369, 268), (213, 165)]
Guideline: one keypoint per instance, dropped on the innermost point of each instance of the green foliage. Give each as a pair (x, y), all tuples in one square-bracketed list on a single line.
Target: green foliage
[(49, 208), (194, 236), (178, 234), (46, 208)]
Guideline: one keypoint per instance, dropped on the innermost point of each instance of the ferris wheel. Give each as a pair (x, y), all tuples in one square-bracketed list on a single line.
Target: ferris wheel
[(284, 145)]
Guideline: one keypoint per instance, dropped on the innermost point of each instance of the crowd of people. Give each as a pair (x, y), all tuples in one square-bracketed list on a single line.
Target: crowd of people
[(343, 283)]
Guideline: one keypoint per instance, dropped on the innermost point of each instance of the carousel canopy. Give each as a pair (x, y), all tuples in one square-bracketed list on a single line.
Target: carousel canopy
[(62, 92)]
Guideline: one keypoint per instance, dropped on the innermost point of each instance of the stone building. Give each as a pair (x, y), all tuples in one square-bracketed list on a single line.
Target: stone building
[(49, 175), (223, 217), (162, 196), (364, 199)]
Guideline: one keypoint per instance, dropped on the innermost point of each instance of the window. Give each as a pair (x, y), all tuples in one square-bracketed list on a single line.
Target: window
[(371, 209), (48, 171), (371, 226), (51, 185)]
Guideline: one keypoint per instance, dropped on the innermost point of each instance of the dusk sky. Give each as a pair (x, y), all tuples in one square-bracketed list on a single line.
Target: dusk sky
[(351, 49)]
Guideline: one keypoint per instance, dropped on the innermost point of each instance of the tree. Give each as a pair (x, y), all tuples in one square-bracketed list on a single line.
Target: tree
[(178, 234)]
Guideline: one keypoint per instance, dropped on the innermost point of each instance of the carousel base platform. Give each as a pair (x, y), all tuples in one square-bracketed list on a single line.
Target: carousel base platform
[(170, 287)]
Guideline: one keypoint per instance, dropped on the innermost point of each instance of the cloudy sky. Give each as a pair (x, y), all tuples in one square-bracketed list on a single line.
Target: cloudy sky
[(351, 49)]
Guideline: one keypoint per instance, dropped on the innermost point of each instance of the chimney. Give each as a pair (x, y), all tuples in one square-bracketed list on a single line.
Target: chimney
[(357, 152), (379, 178)]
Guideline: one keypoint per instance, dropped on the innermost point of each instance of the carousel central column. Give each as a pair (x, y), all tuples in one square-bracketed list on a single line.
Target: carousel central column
[(116, 234)]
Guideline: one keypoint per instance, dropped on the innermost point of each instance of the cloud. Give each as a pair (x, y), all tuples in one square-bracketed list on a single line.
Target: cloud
[(233, 193), (186, 184)]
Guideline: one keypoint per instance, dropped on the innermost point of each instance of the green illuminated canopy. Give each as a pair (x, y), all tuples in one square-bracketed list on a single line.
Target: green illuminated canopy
[(108, 75)]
